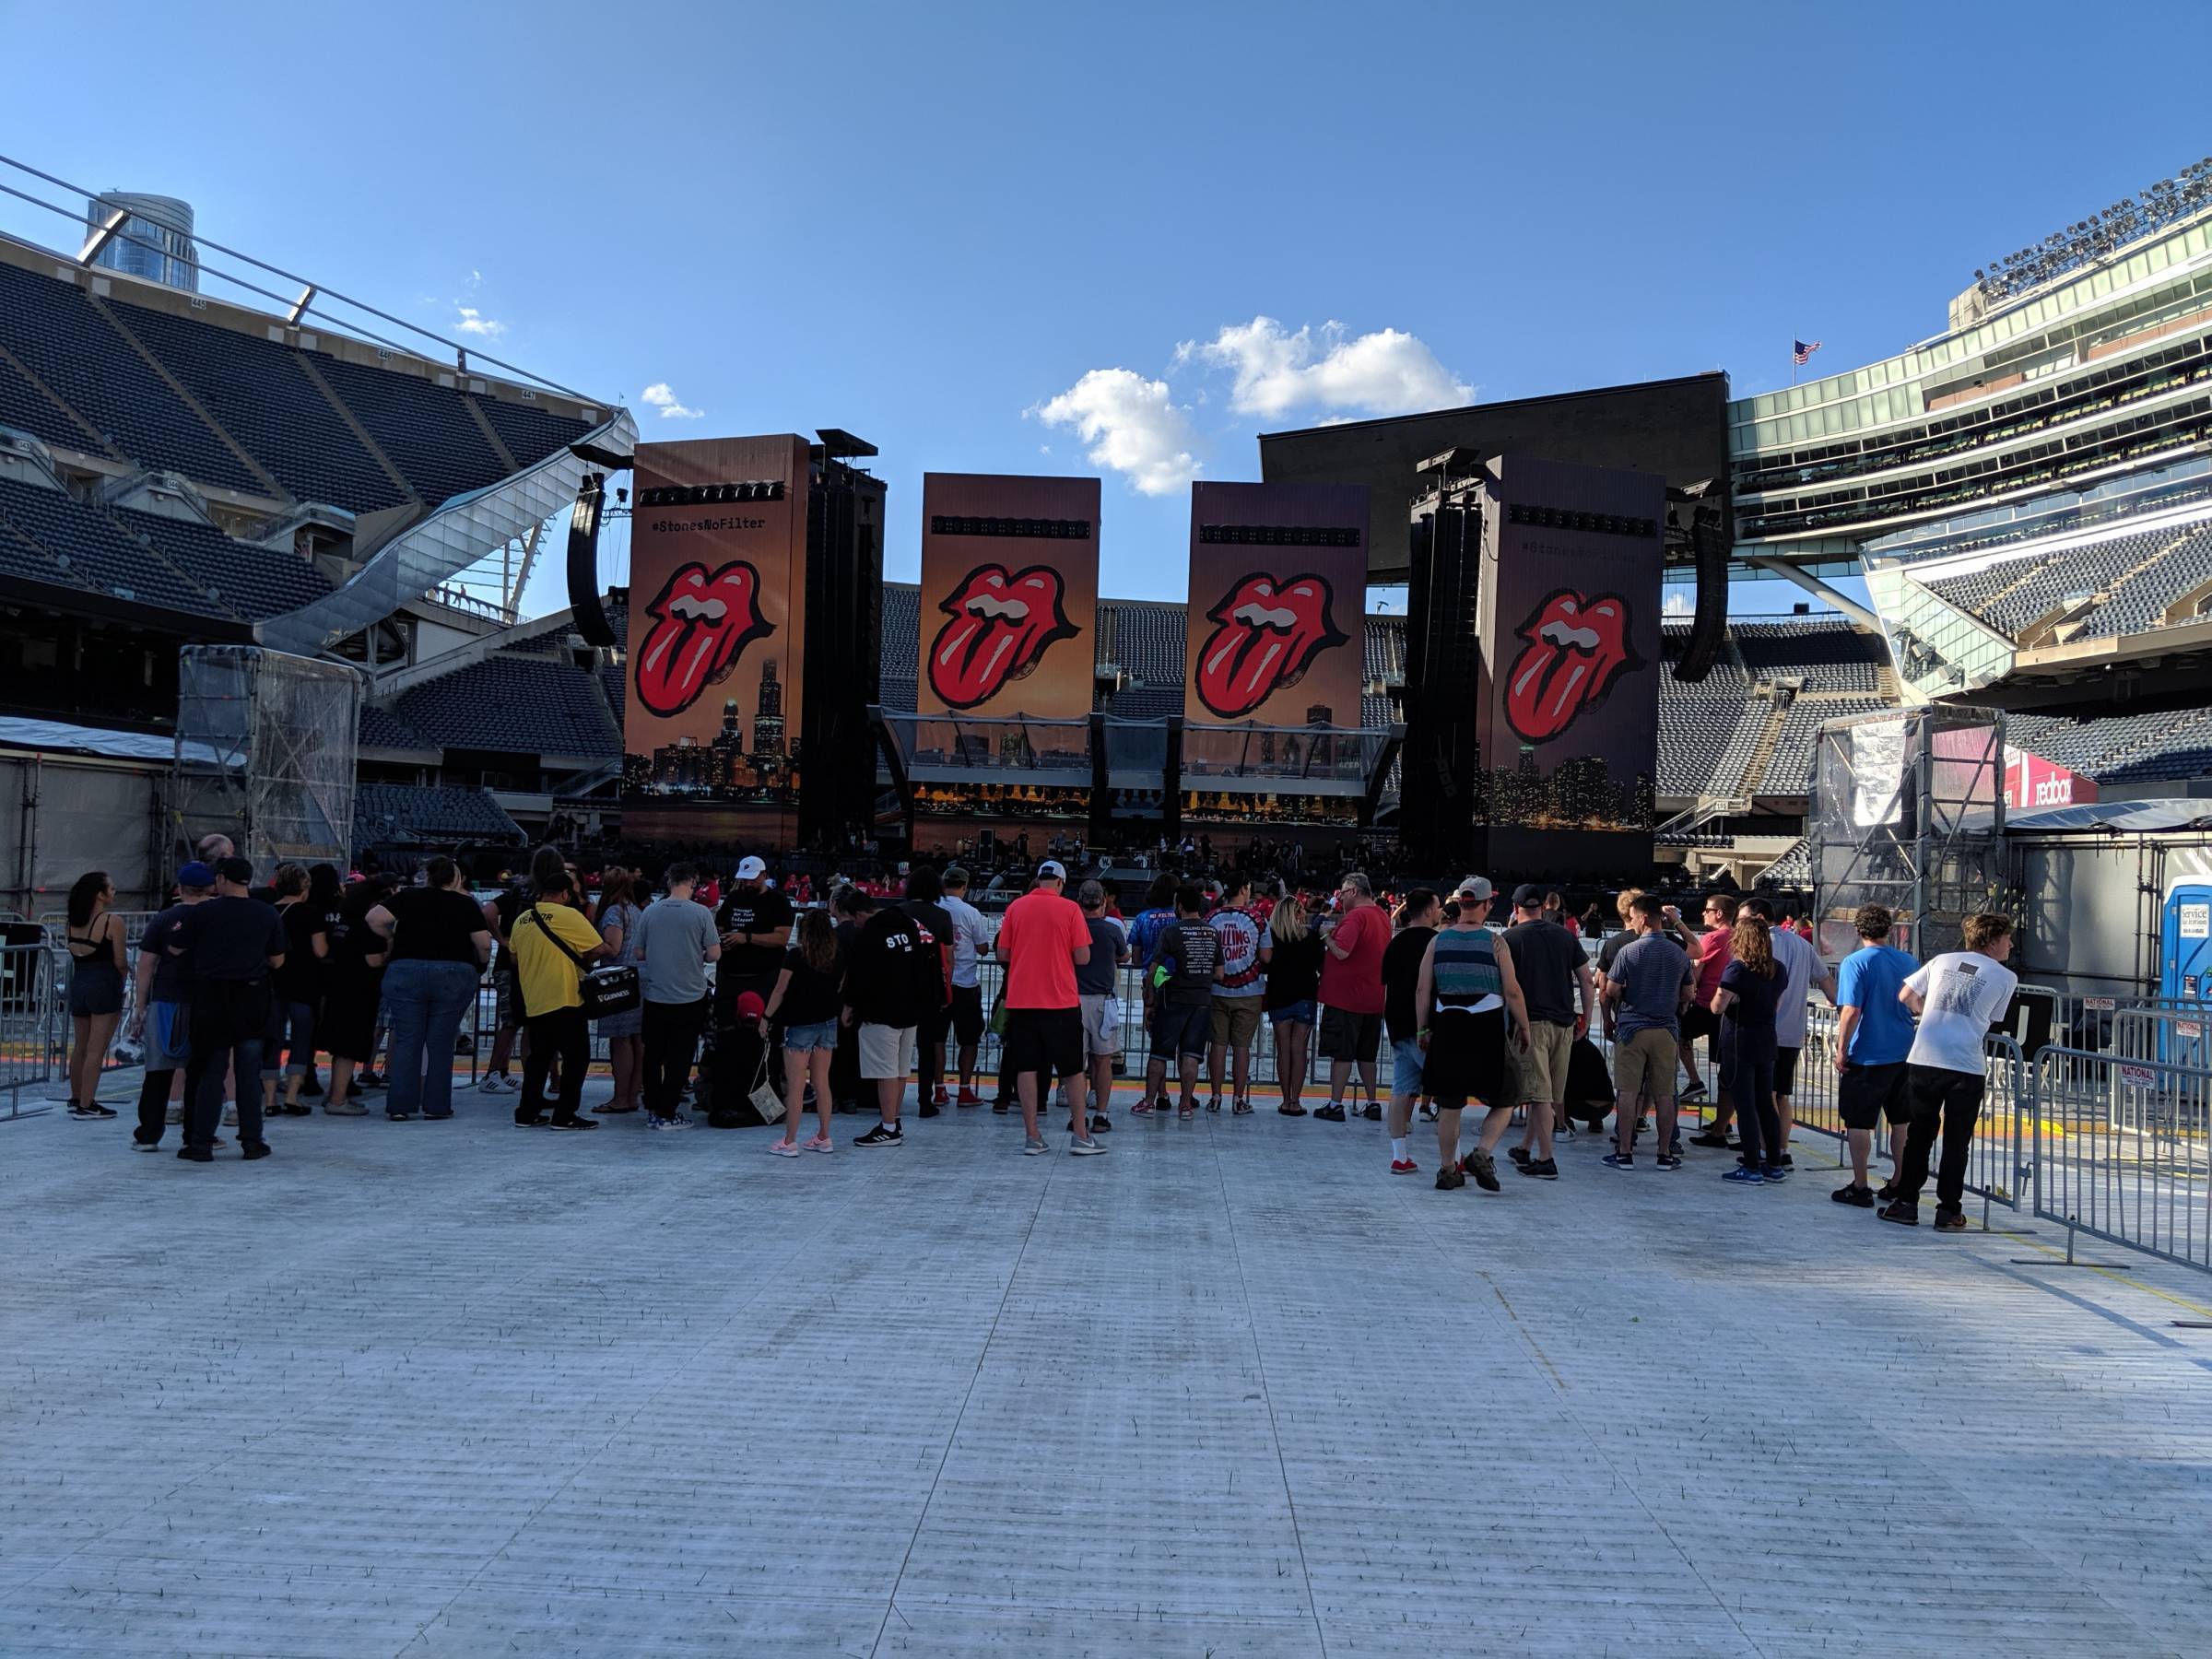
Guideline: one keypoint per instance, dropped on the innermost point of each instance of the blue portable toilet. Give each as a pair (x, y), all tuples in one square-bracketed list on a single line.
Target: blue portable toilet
[(2185, 971)]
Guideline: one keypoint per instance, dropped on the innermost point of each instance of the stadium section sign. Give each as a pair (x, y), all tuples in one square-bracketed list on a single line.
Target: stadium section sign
[(1279, 585), (717, 612), (1568, 690), (1010, 600)]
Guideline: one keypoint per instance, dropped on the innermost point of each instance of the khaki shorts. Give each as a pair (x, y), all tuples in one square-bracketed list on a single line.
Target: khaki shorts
[(1102, 1024), (1544, 1067), (1644, 1065), (1235, 1021), (886, 1051)]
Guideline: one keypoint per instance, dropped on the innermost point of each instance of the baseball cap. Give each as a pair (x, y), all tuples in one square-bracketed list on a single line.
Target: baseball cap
[(1052, 869), (195, 875), (1473, 886), (1528, 896), (749, 1005), (750, 869), (234, 869)]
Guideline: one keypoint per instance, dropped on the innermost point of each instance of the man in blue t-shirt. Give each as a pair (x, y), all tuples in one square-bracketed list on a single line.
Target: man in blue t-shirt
[(1874, 1034)]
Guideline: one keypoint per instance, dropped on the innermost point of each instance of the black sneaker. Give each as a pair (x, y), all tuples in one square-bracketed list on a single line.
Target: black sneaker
[(1001, 1107), (258, 1149), (1886, 1192), (89, 1110), (1483, 1167), (1788, 1162), (1100, 1125), (1448, 1178), (1519, 1155), (573, 1123), (195, 1155), (1542, 1169), (929, 1108), (1899, 1211), (1330, 1113), (883, 1134), (1708, 1138), (1373, 1114), (1690, 1091), (1671, 1161), (1858, 1196), (1949, 1220)]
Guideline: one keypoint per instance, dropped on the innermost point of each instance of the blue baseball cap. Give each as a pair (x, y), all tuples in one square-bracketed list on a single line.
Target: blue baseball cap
[(195, 875)]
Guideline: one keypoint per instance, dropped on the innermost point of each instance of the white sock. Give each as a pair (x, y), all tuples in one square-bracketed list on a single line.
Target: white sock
[(1397, 1150)]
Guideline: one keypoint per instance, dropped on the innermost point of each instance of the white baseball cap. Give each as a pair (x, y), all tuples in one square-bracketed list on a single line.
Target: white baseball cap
[(1052, 869), (750, 869), (1473, 886)]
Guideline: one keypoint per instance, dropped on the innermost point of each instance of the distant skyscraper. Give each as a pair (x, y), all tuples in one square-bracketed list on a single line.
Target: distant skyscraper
[(154, 242), (768, 725)]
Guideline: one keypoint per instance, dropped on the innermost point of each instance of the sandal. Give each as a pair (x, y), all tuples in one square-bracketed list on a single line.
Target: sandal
[(1184, 1114), (1241, 1109)]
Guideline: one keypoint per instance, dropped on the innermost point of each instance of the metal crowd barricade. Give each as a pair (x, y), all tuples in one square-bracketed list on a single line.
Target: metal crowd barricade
[(28, 1054), (2120, 1151)]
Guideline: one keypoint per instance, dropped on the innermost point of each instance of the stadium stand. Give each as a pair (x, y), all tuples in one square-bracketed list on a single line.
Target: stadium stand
[(515, 701), (1828, 655), (1790, 768), (2168, 744), (2139, 575), (413, 813)]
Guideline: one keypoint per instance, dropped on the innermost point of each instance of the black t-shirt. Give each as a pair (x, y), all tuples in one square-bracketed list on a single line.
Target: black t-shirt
[(1191, 951), (888, 975), (434, 924), (748, 911), (1401, 977), (1294, 971), (227, 938), (811, 997), (301, 978), (173, 975), (508, 907), (1545, 958)]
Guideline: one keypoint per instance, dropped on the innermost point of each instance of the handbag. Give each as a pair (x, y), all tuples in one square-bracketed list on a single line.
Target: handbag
[(765, 1100), (613, 989)]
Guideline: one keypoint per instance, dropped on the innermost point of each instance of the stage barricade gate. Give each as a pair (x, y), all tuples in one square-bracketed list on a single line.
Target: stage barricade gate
[(29, 1055), (2121, 1152)]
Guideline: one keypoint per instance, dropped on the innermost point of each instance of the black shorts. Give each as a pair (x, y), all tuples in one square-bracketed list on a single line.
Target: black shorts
[(1350, 1037), (935, 1026), (1698, 1020), (1867, 1094), (968, 1015), (1785, 1072), (1044, 1040), (1466, 1059)]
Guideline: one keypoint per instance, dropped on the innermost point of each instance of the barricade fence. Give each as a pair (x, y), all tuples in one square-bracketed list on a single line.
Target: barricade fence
[(2120, 1151), (27, 1055)]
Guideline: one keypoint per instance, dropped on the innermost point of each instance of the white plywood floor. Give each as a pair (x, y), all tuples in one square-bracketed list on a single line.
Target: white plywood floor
[(1231, 1390)]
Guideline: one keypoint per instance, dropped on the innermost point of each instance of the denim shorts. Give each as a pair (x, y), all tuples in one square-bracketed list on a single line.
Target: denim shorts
[(1296, 1013), (1406, 1060), (797, 1039), (1177, 1031)]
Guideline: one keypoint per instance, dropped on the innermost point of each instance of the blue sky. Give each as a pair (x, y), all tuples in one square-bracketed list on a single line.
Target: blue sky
[(1008, 238)]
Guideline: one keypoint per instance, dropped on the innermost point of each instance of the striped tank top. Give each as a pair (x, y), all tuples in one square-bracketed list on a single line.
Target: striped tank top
[(1465, 967)]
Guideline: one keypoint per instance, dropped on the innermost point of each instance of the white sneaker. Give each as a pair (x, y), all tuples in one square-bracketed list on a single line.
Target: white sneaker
[(176, 1112), (512, 1084), (230, 1116), (492, 1082)]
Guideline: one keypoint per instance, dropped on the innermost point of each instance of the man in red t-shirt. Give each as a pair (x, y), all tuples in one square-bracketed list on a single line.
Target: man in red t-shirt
[(1042, 937), (1351, 993)]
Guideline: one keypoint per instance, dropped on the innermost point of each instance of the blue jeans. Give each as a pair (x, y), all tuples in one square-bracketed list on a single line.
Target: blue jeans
[(424, 1002)]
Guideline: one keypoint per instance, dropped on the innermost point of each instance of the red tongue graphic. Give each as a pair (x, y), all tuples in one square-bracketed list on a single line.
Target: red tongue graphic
[(701, 623), (1576, 648), (998, 629), (1266, 635)]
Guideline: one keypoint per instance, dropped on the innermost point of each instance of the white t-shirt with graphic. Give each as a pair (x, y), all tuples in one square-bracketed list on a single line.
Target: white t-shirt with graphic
[(1963, 993)]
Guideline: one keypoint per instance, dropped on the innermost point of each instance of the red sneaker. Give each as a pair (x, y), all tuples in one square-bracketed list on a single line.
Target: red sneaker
[(970, 1098), (944, 1096), (1404, 1166)]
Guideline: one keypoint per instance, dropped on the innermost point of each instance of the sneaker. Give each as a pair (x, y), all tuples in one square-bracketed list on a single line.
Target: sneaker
[(943, 1096), (374, 1080), (967, 1097), (1886, 1192), (512, 1085), (1373, 1114), (195, 1155), (408, 1117), (1427, 1114), (1542, 1169), (1330, 1113), (1674, 1148), (1672, 1161), (1483, 1167), (1691, 1091), (89, 1110), (175, 1113), (1788, 1162), (820, 1143), (1776, 1173), (1033, 1146), (1213, 1104), (574, 1122), (1404, 1166), (1241, 1109), (674, 1120), (1101, 1125), (1706, 1138), (1449, 1178), (258, 1149), (1899, 1211), (1519, 1155), (139, 1145), (1949, 1220), (344, 1108), (1743, 1176), (1142, 1108), (883, 1134), (1085, 1148), (230, 1116), (929, 1108), (493, 1083), (1001, 1107), (295, 1108), (1619, 1161), (782, 1148), (1858, 1196)]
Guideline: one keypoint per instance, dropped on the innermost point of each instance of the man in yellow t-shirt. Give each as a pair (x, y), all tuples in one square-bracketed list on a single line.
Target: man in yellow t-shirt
[(547, 978)]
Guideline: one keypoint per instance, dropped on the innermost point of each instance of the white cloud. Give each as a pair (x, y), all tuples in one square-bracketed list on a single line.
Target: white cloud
[(661, 396), (1276, 372), (472, 322), (1132, 426), (1678, 603)]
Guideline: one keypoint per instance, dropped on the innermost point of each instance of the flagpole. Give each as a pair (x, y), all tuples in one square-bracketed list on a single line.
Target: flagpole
[(1793, 364)]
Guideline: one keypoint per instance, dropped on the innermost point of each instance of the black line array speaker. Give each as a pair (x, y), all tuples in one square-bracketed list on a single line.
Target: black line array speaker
[(1442, 760), (844, 660)]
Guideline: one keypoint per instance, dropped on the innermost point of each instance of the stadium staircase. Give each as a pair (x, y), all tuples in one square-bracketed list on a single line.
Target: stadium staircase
[(1762, 752)]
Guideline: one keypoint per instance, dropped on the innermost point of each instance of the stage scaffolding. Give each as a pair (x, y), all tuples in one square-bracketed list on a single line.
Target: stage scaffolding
[(1908, 811), (266, 750)]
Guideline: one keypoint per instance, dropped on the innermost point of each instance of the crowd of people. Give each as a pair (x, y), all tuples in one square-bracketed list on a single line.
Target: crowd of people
[(850, 1004)]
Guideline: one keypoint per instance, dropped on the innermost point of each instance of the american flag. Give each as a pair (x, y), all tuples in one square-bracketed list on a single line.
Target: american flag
[(1800, 352)]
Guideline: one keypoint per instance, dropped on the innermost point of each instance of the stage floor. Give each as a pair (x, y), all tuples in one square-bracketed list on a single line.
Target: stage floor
[(1233, 1390)]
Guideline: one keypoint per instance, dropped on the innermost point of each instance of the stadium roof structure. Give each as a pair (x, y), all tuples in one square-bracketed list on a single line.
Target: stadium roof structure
[(229, 472)]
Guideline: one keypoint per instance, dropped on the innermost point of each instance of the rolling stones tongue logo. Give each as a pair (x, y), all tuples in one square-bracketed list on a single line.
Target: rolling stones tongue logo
[(699, 624), (1267, 635), (1577, 648), (999, 629)]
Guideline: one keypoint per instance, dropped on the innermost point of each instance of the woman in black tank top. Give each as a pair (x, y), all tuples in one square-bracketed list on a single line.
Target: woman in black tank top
[(95, 938)]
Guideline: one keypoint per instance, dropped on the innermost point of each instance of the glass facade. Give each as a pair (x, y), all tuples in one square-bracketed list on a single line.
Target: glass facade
[(155, 242)]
